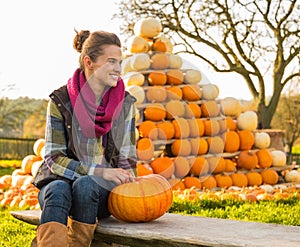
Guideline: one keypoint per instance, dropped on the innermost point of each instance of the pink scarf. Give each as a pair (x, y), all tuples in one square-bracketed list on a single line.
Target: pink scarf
[(94, 120)]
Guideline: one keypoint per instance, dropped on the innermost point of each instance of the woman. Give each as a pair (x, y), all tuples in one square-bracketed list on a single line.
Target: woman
[(90, 144)]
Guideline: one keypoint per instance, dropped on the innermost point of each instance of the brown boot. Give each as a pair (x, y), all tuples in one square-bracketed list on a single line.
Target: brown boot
[(52, 234), (80, 234)]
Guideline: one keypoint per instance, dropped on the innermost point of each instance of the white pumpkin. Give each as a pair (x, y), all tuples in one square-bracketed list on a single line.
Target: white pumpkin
[(134, 78), (175, 61), (292, 176), (262, 140), (210, 91), (279, 158), (248, 105), (247, 121), (147, 28), (126, 66), (137, 92), (140, 61), (231, 107), (192, 76), (137, 44)]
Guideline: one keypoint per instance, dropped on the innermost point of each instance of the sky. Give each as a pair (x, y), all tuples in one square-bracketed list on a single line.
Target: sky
[(36, 52)]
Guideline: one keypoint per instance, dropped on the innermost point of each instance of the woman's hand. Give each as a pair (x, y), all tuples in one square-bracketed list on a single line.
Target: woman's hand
[(117, 175)]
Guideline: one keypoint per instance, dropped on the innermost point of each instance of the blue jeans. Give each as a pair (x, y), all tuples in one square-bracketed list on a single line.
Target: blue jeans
[(84, 200)]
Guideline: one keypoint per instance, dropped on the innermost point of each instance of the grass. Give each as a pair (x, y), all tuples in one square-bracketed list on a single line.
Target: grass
[(13, 232)]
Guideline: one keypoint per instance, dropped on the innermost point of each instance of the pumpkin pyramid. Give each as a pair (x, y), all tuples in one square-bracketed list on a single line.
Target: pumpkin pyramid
[(184, 131)]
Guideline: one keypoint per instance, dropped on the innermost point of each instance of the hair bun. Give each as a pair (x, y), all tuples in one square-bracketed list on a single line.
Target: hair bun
[(79, 39)]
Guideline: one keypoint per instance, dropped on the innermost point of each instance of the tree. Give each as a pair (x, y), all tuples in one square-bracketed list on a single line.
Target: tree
[(287, 116), (258, 40)]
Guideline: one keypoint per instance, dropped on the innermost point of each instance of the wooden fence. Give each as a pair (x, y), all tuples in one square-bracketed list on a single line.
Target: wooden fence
[(15, 148)]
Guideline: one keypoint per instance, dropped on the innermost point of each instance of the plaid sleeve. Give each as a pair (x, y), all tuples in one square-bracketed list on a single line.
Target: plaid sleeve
[(56, 146), (127, 155)]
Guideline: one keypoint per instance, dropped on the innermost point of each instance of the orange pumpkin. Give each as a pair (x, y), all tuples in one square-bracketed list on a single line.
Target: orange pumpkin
[(181, 126), (163, 166), (210, 109), (216, 164), (199, 146), (246, 139), (152, 193), (155, 112), (160, 61), (192, 110), (156, 94), (208, 182), (199, 166), (174, 108), (196, 126), (159, 46), (269, 176), (143, 169), (157, 78), (239, 179), (231, 140), (223, 181), (174, 93), (190, 182), (174, 77), (191, 92), (264, 158), (148, 129), (182, 166), (254, 178), (145, 149), (247, 159), (230, 166), (181, 147), (211, 127), (227, 124), (215, 144), (166, 130), (176, 183)]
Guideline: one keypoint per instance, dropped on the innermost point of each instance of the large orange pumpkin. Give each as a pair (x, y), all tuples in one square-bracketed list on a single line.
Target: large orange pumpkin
[(156, 94), (223, 181), (208, 182), (146, 199), (254, 178), (174, 108), (211, 127), (160, 61), (215, 144), (174, 92), (143, 169), (190, 182), (210, 109), (228, 123), (239, 179), (216, 164)]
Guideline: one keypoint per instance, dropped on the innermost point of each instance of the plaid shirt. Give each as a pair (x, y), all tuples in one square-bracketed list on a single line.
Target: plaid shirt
[(89, 151)]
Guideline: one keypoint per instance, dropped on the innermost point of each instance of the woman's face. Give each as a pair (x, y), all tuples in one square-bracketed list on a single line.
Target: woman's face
[(107, 67)]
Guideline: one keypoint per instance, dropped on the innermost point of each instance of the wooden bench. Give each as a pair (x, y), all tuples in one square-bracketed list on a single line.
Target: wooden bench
[(187, 231)]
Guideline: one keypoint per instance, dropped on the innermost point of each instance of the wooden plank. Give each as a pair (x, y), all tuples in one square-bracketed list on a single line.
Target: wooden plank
[(184, 230)]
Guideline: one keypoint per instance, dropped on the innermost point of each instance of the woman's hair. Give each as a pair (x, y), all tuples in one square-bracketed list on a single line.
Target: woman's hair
[(91, 44)]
